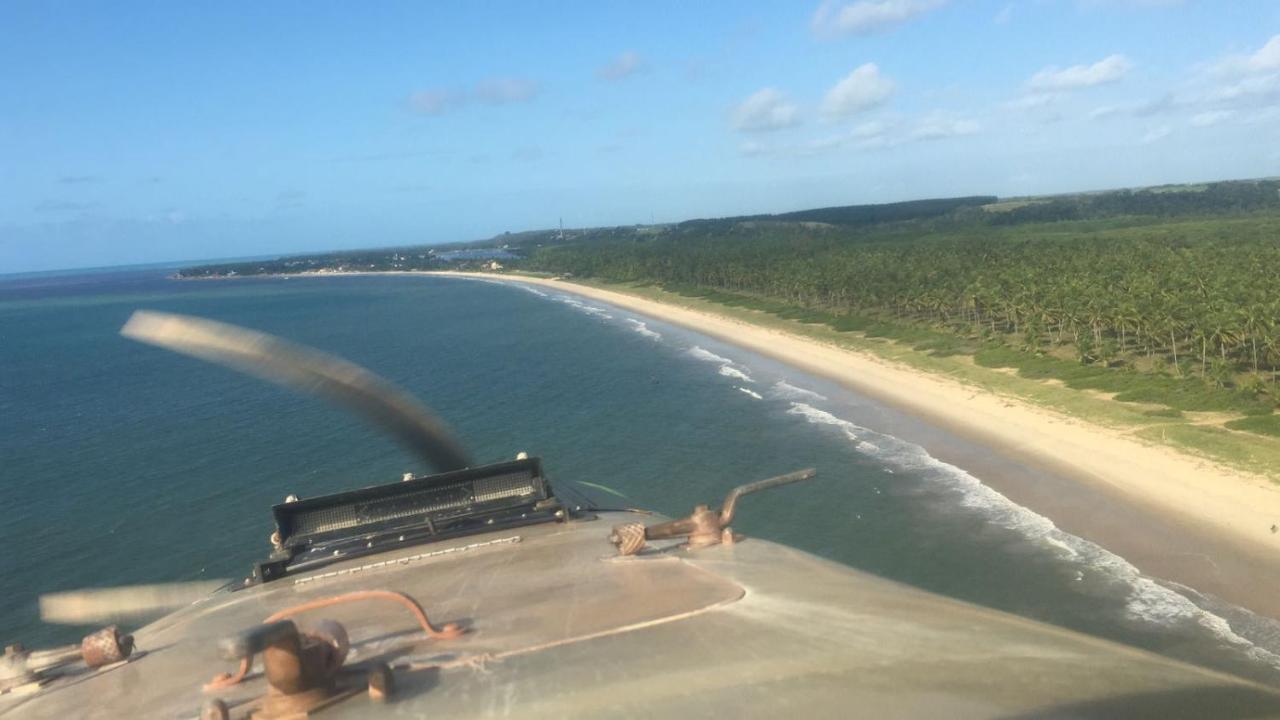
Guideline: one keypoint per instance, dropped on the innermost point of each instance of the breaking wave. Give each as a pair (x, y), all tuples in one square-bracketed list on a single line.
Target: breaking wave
[(643, 329), (1147, 602), (751, 392), (588, 309), (726, 365), (708, 356), (786, 390)]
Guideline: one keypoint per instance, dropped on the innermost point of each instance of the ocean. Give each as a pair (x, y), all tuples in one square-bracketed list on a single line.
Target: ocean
[(123, 464)]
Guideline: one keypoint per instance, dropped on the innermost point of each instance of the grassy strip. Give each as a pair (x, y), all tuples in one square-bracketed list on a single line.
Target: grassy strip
[(1261, 424), (1129, 386)]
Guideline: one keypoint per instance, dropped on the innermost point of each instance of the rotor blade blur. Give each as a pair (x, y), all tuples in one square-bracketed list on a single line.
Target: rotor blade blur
[(102, 605), (307, 370)]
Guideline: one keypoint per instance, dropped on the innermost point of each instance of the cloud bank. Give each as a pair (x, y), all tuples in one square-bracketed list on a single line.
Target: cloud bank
[(868, 16)]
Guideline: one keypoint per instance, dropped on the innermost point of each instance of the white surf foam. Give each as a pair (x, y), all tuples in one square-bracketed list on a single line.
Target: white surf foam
[(786, 390), (735, 373), (532, 289), (726, 365), (708, 356), (644, 330), (1148, 602), (752, 393), (822, 417), (588, 309)]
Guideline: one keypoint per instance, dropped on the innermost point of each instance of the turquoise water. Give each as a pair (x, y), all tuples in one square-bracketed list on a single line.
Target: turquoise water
[(121, 463)]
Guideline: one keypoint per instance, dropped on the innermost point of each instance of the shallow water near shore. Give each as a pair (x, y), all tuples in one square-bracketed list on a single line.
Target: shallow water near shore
[(125, 464)]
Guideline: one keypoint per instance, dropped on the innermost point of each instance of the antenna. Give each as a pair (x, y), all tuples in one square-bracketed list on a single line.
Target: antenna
[(561, 235)]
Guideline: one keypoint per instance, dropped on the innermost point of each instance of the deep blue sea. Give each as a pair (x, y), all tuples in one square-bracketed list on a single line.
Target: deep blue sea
[(121, 463)]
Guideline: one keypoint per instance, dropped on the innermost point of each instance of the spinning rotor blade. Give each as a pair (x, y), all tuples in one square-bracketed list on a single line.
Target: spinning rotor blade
[(86, 607), (307, 370)]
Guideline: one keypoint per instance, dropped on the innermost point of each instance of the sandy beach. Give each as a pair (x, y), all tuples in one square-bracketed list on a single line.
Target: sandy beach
[(1174, 516)]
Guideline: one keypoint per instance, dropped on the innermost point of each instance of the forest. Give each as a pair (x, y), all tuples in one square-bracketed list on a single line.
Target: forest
[(1190, 290)]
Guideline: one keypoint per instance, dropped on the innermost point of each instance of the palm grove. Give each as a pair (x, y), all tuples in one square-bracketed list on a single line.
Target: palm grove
[(1180, 283)]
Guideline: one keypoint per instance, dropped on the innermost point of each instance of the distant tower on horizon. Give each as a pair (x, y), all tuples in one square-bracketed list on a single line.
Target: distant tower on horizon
[(561, 235)]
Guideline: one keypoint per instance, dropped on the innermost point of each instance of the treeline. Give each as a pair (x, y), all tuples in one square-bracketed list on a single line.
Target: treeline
[(1184, 298), (861, 214), (1233, 197), (361, 260)]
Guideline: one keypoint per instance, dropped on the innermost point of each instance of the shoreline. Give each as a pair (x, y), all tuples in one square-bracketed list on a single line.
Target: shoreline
[(1174, 516)]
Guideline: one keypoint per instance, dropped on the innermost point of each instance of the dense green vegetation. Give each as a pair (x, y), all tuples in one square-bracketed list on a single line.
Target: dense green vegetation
[(864, 214), (1176, 309), (1168, 201)]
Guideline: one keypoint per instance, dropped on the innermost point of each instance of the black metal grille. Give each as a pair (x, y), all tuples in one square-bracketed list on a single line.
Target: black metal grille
[(421, 501)]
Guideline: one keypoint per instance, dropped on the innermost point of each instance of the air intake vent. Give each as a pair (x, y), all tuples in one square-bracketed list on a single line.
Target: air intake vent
[(438, 503)]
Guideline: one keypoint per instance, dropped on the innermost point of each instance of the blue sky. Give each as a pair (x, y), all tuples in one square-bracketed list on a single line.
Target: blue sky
[(139, 132)]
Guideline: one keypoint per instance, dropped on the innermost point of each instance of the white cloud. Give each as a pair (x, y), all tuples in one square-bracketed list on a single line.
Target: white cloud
[(1106, 70), (940, 127), (624, 66), (862, 89), (1267, 57), (500, 91), (435, 102), (868, 16), (1034, 101), (1250, 89), (493, 91), (870, 135), (1211, 117), (1244, 80), (1156, 134), (766, 109), (1263, 59)]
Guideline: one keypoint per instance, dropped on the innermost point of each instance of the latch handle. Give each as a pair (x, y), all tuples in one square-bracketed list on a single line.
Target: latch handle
[(705, 526), (731, 500)]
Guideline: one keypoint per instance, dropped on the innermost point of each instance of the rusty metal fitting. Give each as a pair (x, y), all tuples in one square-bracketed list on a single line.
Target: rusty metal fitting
[(300, 667), (332, 634), (382, 683), (242, 646), (105, 647), (628, 537), (292, 662), (704, 527)]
